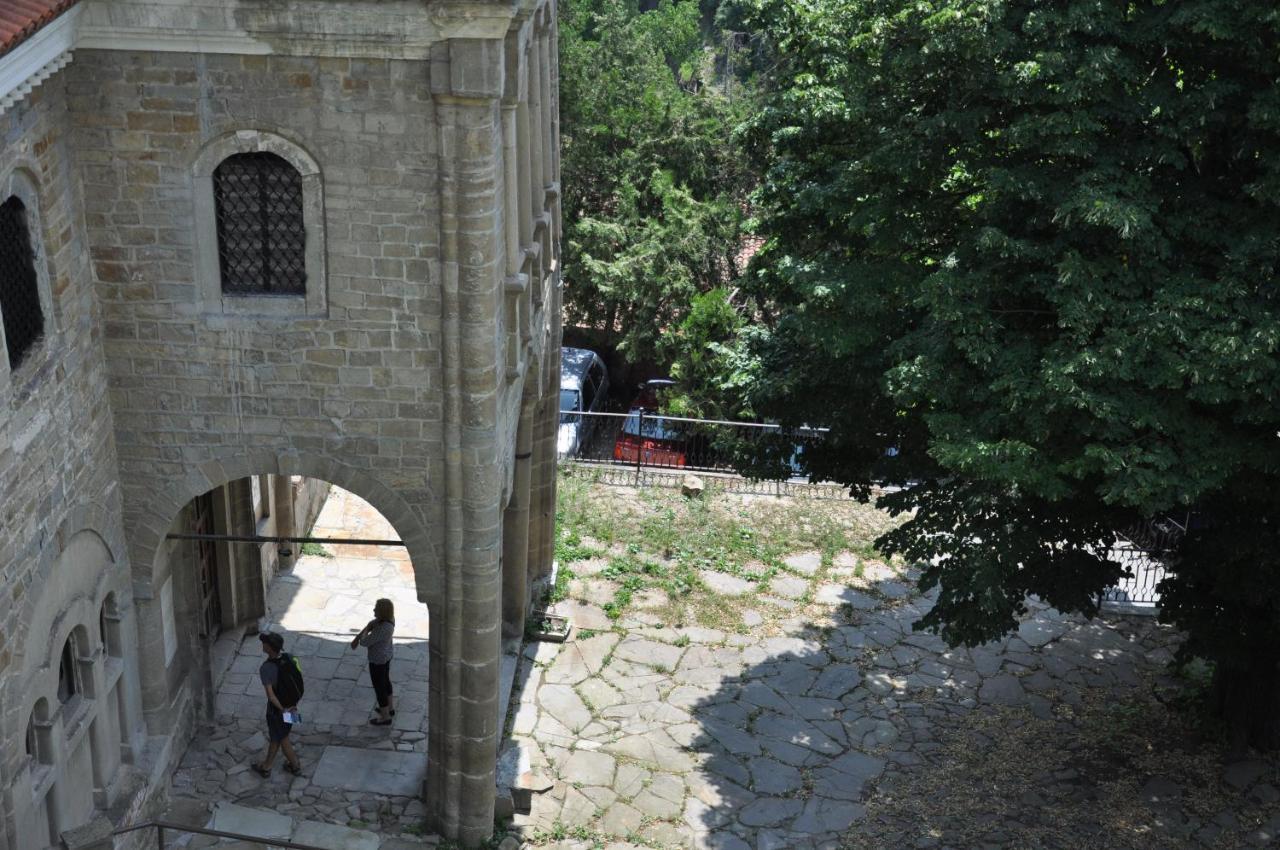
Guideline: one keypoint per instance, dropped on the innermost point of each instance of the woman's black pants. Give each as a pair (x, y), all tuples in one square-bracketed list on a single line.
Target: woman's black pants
[(380, 675)]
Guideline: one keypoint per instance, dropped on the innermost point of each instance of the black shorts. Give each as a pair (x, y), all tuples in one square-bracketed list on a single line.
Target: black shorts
[(277, 729)]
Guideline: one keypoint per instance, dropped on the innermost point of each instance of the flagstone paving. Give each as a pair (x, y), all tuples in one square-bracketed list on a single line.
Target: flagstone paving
[(794, 734)]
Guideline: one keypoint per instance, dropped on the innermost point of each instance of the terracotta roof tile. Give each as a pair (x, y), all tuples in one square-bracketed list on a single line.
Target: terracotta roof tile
[(21, 19)]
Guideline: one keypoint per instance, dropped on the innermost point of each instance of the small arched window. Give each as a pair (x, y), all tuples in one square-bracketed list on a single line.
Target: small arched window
[(19, 290), (39, 740), (67, 684), (261, 233), (109, 625)]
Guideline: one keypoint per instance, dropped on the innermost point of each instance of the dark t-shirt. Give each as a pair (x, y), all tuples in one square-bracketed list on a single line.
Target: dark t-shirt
[(269, 673)]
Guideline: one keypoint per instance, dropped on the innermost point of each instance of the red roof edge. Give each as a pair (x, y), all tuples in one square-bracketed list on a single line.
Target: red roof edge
[(21, 19)]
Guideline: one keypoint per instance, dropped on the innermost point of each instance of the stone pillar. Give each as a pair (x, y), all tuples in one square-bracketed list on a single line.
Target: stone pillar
[(515, 534), (552, 305), (53, 740), (104, 741), (554, 105), (544, 100), (524, 182), (8, 813), (128, 695), (284, 511), (536, 119), (466, 85), (148, 596), (543, 519), (515, 284)]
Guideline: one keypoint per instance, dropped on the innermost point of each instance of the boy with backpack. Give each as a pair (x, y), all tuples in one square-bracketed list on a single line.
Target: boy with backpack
[(281, 677)]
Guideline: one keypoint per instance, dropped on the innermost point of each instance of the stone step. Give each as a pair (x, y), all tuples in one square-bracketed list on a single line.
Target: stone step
[(271, 825)]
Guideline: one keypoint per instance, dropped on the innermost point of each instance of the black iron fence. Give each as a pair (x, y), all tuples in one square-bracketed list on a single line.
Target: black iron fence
[(645, 440), (1146, 551)]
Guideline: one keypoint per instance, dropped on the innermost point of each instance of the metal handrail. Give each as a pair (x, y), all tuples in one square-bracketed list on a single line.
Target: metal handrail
[(160, 826), (269, 538), (654, 414)]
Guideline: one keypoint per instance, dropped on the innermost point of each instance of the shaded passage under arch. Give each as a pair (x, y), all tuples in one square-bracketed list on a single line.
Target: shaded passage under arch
[(352, 770)]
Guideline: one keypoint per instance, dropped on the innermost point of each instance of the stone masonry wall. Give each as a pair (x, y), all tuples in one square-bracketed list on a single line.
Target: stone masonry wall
[(57, 453), (360, 385)]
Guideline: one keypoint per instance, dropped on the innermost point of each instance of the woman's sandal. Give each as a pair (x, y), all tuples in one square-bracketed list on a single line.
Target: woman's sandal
[(380, 722), (257, 768), (377, 708), (296, 770)]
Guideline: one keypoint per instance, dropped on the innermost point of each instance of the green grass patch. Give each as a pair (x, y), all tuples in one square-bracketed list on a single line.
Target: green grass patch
[(657, 539), (560, 590), (316, 549), (636, 573)]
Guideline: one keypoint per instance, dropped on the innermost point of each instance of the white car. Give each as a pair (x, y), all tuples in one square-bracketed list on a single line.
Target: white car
[(584, 389)]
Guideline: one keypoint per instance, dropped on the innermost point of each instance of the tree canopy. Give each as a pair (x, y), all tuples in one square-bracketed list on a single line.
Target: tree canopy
[(1034, 247), (654, 185)]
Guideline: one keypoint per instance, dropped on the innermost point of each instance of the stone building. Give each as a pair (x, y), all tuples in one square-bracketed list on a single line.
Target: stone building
[(248, 240)]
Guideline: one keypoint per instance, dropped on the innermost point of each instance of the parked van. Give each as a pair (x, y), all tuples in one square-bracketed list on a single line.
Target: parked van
[(584, 388)]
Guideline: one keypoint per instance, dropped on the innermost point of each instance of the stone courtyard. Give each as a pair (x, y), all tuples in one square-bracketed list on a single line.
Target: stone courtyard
[(810, 715), (694, 737), (798, 711)]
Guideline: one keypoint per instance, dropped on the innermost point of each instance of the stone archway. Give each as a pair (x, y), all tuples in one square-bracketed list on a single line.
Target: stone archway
[(449, 637), (164, 505)]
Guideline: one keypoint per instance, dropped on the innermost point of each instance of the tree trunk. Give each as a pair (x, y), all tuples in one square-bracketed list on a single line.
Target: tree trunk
[(1247, 699)]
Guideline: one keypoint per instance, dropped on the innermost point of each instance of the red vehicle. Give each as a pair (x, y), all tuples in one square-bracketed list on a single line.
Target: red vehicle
[(647, 437)]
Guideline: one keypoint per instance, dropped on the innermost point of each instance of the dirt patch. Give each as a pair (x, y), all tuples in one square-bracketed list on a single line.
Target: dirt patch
[(1126, 772)]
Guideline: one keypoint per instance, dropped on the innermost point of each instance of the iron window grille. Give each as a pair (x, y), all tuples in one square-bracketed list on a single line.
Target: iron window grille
[(261, 237), (19, 291)]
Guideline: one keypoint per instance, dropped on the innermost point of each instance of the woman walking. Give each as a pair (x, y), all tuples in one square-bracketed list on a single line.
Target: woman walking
[(376, 638)]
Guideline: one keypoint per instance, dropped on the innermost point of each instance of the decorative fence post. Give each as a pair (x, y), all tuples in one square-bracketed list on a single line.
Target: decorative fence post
[(640, 446)]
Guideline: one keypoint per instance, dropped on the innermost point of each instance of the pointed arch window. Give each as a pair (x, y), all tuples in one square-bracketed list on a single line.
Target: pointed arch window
[(20, 307)]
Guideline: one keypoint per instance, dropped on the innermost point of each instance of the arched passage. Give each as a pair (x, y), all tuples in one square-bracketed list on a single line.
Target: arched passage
[(163, 507), (320, 596), (174, 697)]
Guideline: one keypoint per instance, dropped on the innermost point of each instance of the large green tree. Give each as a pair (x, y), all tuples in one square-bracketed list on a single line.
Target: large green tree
[(1034, 245), (653, 185)]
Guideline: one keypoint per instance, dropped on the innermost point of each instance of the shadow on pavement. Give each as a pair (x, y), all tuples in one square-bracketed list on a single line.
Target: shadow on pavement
[(859, 733)]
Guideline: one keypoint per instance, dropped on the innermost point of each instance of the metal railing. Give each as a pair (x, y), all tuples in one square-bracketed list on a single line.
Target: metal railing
[(162, 826), (648, 440), (1146, 551)]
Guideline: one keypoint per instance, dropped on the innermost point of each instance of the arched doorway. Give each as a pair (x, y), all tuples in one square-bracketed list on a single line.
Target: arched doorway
[(179, 686), (315, 597)]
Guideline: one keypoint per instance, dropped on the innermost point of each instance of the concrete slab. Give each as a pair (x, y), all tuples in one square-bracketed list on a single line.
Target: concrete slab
[(334, 837), (372, 771), (258, 823)]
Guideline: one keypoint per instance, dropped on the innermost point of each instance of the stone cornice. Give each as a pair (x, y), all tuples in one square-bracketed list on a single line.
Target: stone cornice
[(351, 28), (38, 58), (391, 29)]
